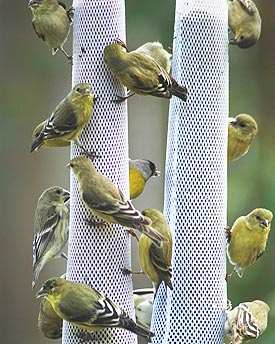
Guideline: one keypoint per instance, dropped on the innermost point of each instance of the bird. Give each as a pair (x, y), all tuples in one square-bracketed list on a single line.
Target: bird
[(105, 200), (242, 130), (155, 261), (49, 323), (51, 228), (247, 239), (140, 73), (158, 53), (67, 121), (51, 21), (87, 308), (143, 300), (140, 171), (244, 22), (246, 321)]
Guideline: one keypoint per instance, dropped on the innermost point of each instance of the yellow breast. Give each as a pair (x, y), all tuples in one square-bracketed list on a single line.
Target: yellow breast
[(137, 183)]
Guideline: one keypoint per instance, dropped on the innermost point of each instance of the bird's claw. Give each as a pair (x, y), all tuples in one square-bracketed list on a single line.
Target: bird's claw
[(119, 99), (126, 272), (93, 223), (86, 337), (92, 155), (228, 233)]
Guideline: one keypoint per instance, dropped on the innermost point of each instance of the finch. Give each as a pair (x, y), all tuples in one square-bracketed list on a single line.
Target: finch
[(143, 300), (242, 130), (158, 53), (140, 73), (140, 171), (51, 22), (87, 308), (105, 200), (49, 323), (155, 261), (51, 228), (246, 321), (248, 238), (245, 22), (67, 121)]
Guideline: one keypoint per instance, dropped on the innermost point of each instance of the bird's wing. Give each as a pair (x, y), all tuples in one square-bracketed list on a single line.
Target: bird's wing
[(39, 34), (91, 308), (46, 223), (62, 121), (248, 6), (159, 261), (245, 323)]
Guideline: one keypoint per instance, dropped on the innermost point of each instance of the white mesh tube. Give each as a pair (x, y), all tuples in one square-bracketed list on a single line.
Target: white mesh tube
[(196, 178), (96, 255)]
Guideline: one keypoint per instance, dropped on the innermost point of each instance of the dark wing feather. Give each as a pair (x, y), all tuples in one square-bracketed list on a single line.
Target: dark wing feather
[(45, 233), (158, 260), (39, 34), (248, 6), (62, 121)]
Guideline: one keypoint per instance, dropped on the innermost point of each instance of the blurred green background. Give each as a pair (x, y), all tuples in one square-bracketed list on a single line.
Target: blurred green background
[(31, 84)]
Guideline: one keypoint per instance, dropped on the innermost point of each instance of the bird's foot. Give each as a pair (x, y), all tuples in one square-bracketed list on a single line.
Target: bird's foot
[(83, 52), (91, 155), (86, 337), (229, 276), (132, 233), (126, 272), (228, 233), (94, 223), (121, 99), (63, 255)]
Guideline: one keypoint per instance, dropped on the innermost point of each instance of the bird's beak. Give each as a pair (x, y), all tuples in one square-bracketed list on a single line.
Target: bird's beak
[(233, 41), (33, 3), (68, 165), (156, 173), (42, 292), (233, 122), (265, 223)]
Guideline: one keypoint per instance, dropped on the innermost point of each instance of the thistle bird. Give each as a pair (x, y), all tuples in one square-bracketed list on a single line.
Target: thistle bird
[(244, 22), (140, 73), (242, 130), (51, 228), (140, 171), (51, 22), (87, 308), (248, 238)]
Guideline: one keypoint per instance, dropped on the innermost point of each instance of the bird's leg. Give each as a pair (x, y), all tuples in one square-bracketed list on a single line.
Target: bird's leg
[(86, 336), (229, 275), (228, 233), (121, 99), (83, 51), (92, 155), (133, 233), (128, 272), (94, 223), (70, 58), (63, 255)]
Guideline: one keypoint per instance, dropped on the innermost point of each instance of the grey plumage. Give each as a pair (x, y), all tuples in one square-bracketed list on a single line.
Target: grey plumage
[(51, 228)]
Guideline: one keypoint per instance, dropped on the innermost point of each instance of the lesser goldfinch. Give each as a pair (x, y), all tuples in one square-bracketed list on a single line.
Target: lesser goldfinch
[(246, 321), (51, 22), (140, 73), (49, 323), (241, 132), (143, 300), (51, 228), (140, 171), (87, 308), (248, 238), (158, 53), (105, 200), (68, 120), (245, 22), (155, 261)]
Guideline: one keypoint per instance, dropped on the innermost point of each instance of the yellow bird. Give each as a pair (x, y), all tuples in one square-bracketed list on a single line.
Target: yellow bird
[(242, 130), (155, 261), (140, 171), (87, 308), (248, 238)]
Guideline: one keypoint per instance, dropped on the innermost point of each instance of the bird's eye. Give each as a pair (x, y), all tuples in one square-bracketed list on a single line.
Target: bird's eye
[(58, 192), (78, 89), (242, 38), (242, 125), (258, 218)]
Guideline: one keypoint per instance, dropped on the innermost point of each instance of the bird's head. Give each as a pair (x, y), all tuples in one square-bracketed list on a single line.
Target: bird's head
[(260, 219), (114, 50), (83, 89), (50, 287), (245, 126), (35, 4), (146, 167), (55, 194), (81, 164), (153, 214)]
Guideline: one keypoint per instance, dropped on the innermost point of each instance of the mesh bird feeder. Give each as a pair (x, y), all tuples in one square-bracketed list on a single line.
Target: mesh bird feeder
[(195, 177)]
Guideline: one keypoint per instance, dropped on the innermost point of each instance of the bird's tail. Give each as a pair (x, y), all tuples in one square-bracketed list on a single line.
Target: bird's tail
[(151, 233), (37, 142), (178, 91), (128, 324)]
